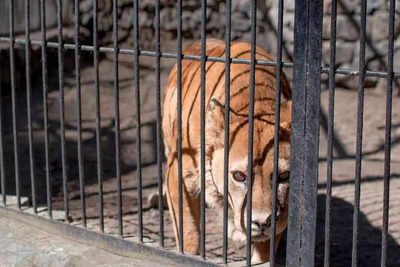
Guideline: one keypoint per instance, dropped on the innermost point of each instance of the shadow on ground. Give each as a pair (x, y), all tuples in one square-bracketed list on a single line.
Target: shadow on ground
[(341, 238)]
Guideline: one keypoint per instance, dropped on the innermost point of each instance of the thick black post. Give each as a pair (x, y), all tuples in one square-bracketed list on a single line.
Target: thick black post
[(305, 133)]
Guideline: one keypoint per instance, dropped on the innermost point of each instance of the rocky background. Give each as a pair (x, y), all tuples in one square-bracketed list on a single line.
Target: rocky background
[(348, 28)]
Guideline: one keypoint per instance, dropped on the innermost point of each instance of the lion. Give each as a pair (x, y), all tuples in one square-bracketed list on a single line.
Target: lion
[(264, 109)]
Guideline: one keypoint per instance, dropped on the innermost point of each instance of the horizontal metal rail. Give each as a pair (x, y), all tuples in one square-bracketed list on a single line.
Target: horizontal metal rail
[(149, 53)]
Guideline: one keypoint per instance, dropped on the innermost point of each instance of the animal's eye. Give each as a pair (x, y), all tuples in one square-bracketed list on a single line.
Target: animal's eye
[(239, 176), (284, 176)]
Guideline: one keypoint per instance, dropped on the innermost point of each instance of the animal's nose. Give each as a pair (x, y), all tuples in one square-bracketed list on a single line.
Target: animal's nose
[(263, 225)]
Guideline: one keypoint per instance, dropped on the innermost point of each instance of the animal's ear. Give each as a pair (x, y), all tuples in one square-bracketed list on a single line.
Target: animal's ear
[(215, 118)]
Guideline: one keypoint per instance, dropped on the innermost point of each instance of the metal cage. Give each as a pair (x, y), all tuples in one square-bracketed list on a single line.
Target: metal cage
[(307, 69)]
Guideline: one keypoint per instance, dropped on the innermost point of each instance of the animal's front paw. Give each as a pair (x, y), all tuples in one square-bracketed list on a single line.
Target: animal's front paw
[(153, 200)]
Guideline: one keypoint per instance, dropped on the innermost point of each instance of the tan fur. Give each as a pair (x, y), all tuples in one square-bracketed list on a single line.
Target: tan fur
[(263, 144)]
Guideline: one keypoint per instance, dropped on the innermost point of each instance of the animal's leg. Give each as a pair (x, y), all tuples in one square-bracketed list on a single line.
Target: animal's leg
[(191, 211), (261, 250)]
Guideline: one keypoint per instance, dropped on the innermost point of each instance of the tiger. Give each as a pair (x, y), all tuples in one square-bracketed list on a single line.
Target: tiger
[(263, 143)]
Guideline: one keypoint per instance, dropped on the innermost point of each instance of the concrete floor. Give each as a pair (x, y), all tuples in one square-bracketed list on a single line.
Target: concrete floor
[(24, 243)]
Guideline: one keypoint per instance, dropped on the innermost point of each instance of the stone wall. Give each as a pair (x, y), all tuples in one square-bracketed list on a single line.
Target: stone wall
[(348, 28), (348, 36), (19, 9)]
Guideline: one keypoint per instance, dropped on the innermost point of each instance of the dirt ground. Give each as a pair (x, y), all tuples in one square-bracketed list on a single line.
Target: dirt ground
[(343, 173)]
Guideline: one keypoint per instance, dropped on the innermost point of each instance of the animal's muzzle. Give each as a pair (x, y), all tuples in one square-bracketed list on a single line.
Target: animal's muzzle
[(261, 230)]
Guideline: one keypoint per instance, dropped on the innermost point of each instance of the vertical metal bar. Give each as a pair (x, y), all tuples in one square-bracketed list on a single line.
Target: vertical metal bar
[(29, 100), (386, 175), (331, 125), (253, 20), (2, 171), (13, 99), (159, 133), (312, 133), (330, 134), (360, 115), (202, 131), (45, 104), (117, 119), (305, 133), (276, 132), (298, 128), (61, 100), (138, 133), (179, 106), (79, 113), (226, 124), (98, 117)]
